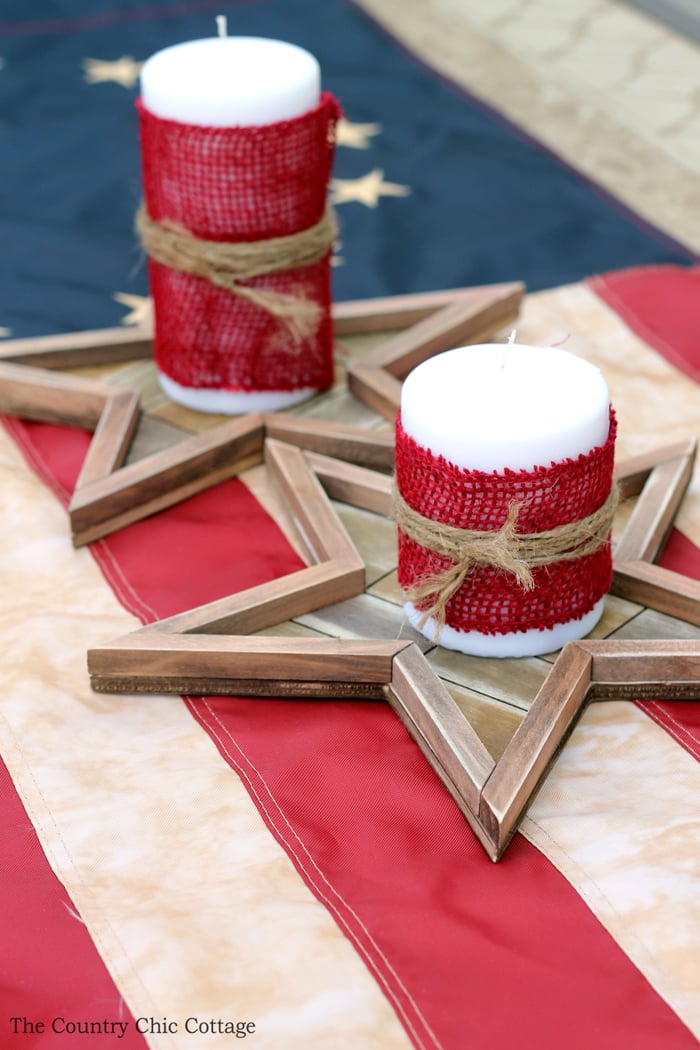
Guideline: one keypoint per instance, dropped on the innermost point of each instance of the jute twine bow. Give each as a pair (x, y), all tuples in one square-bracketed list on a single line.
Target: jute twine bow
[(226, 264), (517, 553)]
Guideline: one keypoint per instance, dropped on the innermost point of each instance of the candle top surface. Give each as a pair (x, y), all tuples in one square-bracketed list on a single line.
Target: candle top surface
[(228, 81), (493, 407)]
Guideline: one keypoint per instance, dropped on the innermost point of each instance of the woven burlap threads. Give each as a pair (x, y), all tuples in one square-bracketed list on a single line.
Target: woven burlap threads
[(505, 549), (227, 264)]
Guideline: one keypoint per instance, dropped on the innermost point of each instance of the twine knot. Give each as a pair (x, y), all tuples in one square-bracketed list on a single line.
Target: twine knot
[(227, 264), (504, 548)]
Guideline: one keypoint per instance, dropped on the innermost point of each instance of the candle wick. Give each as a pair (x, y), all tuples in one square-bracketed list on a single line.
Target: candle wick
[(221, 25), (506, 348)]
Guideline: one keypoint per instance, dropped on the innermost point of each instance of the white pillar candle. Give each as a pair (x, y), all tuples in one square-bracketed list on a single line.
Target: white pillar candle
[(496, 408), (229, 81)]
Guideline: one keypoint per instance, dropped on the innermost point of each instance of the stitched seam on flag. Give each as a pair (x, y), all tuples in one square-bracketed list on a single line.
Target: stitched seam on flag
[(654, 971), (294, 853), (100, 549), (666, 721), (579, 877), (75, 870), (123, 589), (85, 23), (36, 460)]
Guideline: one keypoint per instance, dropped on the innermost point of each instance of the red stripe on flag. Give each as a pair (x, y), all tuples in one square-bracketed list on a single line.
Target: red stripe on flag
[(51, 974), (681, 720), (660, 304), (470, 954)]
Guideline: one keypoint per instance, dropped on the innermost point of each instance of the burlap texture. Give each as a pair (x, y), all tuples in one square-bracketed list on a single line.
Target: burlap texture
[(241, 184), (491, 600)]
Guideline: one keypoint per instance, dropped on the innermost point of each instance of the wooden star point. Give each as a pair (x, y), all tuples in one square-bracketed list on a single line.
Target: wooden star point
[(429, 324), (492, 795), (110, 494), (167, 655), (659, 479)]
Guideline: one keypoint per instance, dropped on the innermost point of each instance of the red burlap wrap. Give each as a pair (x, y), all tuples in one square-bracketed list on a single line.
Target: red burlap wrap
[(240, 184), (491, 600)]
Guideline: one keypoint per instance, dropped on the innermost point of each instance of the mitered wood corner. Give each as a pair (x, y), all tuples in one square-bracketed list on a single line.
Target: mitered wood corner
[(659, 479)]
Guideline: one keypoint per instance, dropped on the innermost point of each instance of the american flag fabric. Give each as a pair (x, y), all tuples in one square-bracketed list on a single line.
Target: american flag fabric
[(416, 156), (185, 872)]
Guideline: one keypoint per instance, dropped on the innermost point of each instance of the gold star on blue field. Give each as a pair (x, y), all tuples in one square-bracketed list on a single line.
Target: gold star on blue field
[(139, 307), (124, 71), (356, 136), (367, 189)]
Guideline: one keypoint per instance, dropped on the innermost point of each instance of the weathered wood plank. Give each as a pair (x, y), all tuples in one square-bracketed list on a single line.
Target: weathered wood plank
[(535, 744), (663, 589), (362, 616), (420, 693), (319, 525), (383, 314), (165, 478), (663, 670), (349, 483), (51, 397), (295, 662), (453, 789), (112, 437), (368, 448), (79, 349), (649, 525), (269, 603), (377, 389), (462, 321), (631, 473)]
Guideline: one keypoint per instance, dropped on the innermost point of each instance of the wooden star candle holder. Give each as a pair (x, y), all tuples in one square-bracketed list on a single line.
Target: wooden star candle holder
[(203, 651), (174, 657), (210, 649), (111, 493)]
